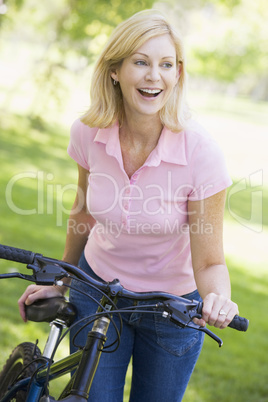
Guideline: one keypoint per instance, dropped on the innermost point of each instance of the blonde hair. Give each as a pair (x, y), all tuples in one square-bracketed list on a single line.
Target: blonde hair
[(106, 99)]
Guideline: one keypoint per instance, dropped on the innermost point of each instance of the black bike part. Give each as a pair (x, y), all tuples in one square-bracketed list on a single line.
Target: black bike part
[(16, 254), (70, 398), (47, 271), (21, 356), (48, 274), (181, 312), (88, 365), (114, 288), (238, 323), (47, 310)]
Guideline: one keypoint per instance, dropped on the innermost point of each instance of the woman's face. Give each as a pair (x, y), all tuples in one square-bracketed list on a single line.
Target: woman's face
[(148, 76)]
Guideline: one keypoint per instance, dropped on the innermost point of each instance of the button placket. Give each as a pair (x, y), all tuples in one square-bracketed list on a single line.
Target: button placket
[(134, 178), (126, 205), (127, 202)]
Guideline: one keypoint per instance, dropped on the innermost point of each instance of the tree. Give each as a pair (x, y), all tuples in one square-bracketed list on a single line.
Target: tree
[(226, 41), (63, 36)]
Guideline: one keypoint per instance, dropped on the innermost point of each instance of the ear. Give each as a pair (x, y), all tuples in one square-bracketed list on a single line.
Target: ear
[(179, 72), (114, 75)]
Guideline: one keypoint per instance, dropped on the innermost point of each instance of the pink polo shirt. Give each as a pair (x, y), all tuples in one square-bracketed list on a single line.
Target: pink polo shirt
[(141, 235)]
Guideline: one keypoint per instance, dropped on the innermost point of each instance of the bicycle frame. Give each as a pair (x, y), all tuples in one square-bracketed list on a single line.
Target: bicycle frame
[(85, 360), (47, 271)]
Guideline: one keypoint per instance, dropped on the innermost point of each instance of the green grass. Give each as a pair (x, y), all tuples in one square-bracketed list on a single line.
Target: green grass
[(237, 108), (33, 219), (36, 168), (235, 372)]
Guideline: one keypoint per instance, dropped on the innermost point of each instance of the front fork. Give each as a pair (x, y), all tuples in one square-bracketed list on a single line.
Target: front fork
[(90, 358), (92, 351)]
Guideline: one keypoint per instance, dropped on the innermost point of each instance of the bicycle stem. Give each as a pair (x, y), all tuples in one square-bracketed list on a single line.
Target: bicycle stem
[(90, 359)]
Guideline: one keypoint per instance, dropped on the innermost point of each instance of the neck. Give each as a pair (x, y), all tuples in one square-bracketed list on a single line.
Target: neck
[(144, 131)]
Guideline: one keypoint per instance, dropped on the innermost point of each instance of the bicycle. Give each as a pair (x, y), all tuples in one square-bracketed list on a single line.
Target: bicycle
[(28, 372)]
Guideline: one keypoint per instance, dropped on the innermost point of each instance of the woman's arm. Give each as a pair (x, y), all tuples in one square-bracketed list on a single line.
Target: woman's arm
[(210, 270), (79, 224), (80, 221)]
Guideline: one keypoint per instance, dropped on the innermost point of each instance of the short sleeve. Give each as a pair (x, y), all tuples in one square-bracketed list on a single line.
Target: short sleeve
[(77, 148), (209, 172)]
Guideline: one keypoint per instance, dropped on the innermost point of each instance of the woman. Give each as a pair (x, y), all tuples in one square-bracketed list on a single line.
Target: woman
[(149, 208)]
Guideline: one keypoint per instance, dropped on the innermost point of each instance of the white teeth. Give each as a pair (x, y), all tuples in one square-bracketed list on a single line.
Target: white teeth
[(151, 91)]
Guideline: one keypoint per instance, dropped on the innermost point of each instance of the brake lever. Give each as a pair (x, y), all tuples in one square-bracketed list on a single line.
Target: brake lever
[(182, 314), (206, 331), (17, 275), (43, 274), (48, 274)]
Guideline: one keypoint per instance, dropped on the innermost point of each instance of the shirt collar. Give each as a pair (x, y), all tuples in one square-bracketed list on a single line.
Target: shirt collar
[(170, 147), (110, 137)]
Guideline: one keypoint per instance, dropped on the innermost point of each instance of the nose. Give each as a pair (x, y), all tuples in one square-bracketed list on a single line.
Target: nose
[(153, 74)]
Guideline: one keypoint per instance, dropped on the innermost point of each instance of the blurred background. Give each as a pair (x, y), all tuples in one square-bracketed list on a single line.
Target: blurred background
[(47, 50)]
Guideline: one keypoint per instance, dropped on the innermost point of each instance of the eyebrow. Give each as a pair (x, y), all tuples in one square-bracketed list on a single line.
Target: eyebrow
[(146, 55)]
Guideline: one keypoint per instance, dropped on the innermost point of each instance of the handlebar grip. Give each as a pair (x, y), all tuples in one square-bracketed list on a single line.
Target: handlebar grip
[(239, 323), (16, 254)]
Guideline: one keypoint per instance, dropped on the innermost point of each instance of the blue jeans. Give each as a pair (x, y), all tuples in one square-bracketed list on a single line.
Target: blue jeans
[(163, 355)]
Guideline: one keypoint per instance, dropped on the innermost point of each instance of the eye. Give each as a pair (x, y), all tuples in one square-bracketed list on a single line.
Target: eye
[(167, 65), (140, 63)]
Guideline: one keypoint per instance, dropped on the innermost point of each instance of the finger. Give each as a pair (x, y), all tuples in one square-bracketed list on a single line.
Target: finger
[(224, 314), (44, 292), (211, 307), (22, 299), (219, 314), (207, 307), (221, 321), (200, 322), (233, 310), (39, 294), (220, 310), (31, 294), (22, 311), (28, 291)]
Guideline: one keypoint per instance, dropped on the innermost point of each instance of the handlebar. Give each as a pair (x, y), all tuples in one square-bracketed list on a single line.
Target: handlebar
[(16, 254), (49, 271)]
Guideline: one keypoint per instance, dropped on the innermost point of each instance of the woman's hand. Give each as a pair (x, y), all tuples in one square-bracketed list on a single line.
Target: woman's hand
[(36, 292), (210, 270), (218, 311)]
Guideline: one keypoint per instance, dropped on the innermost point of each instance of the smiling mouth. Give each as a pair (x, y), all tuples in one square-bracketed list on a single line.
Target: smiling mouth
[(150, 93)]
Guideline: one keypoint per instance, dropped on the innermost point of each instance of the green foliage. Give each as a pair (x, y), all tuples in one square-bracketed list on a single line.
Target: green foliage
[(70, 21), (58, 38), (226, 42), (83, 15), (224, 63), (229, 4), (229, 41), (57, 41)]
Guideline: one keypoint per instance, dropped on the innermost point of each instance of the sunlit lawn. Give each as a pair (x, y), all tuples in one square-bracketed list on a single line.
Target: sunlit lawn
[(33, 217)]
